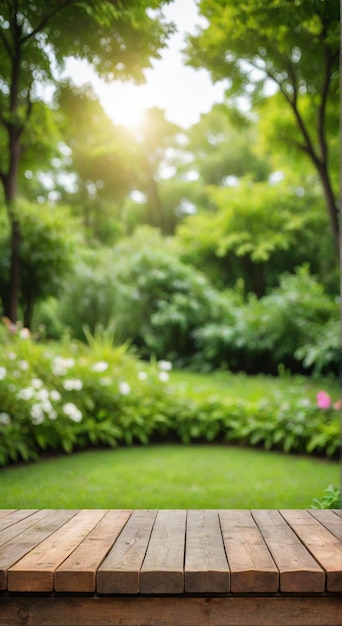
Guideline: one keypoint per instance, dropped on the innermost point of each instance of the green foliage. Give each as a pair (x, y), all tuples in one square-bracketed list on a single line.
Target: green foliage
[(330, 500), (72, 396), (295, 323), (223, 145), (90, 297), (257, 232), (293, 44), (46, 253), (162, 300)]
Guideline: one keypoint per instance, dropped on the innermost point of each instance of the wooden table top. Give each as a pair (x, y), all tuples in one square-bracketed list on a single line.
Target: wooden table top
[(172, 552)]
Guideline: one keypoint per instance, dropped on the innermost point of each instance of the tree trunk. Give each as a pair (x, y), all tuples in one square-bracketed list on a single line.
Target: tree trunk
[(10, 184), (330, 203)]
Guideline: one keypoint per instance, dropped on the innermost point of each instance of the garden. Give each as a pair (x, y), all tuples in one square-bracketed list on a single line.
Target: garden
[(181, 438), (170, 293)]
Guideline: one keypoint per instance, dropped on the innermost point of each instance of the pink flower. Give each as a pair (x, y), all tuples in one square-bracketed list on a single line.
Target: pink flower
[(323, 400)]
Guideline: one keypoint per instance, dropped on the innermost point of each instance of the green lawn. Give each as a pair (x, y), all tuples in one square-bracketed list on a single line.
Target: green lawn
[(253, 388), (168, 476)]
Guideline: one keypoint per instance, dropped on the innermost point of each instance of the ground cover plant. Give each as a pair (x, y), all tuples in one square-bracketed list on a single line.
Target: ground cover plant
[(164, 476), (73, 396)]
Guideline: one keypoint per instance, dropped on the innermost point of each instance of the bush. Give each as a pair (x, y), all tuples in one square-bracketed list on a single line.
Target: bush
[(295, 326), (162, 301), (90, 296), (74, 395)]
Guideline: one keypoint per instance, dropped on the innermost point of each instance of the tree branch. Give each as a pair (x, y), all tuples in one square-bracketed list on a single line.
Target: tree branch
[(321, 112), (5, 42), (61, 5)]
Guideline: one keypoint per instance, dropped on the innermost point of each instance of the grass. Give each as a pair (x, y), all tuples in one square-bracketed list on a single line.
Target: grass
[(252, 388), (168, 476)]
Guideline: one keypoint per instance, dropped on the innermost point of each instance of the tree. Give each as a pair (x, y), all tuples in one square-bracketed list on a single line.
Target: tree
[(153, 137), (293, 44), (257, 232), (223, 145), (102, 159), (36, 37), (47, 253)]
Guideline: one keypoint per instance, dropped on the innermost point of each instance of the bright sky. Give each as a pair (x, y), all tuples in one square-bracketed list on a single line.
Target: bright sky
[(182, 92)]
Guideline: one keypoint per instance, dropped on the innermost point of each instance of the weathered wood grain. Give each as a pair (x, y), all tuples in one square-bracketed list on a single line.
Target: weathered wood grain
[(78, 572), (35, 571), (170, 611), (324, 546), (14, 517), (252, 567), (30, 532), (206, 567), (169, 567), (4, 512), (162, 570), (299, 572), (120, 571), (330, 520)]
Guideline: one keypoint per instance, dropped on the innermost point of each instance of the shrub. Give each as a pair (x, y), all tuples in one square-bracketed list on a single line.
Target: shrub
[(162, 300), (74, 395), (89, 297), (296, 325)]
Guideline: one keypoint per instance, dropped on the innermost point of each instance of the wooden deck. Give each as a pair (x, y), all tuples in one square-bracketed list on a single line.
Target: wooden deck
[(170, 567)]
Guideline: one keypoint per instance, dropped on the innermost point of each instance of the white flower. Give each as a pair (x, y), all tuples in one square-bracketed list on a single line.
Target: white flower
[(142, 375), (105, 381), (46, 406), (36, 383), (70, 409), (100, 366), (52, 415), (163, 376), (23, 365), (25, 394), (37, 414), (42, 394), (2, 372), (55, 395), (72, 384), (60, 366), (305, 402), (165, 365), (5, 419), (11, 356), (124, 388)]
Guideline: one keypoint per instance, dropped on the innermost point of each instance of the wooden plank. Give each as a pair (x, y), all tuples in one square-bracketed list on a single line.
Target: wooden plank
[(170, 611), (163, 567), (119, 573), (206, 567), (78, 572), (252, 567), (299, 572), (32, 530), (324, 546), (15, 517), (35, 571), (4, 512), (330, 520)]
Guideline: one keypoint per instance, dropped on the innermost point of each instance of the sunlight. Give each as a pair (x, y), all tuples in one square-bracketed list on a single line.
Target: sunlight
[(124, 104), (121, 101)]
